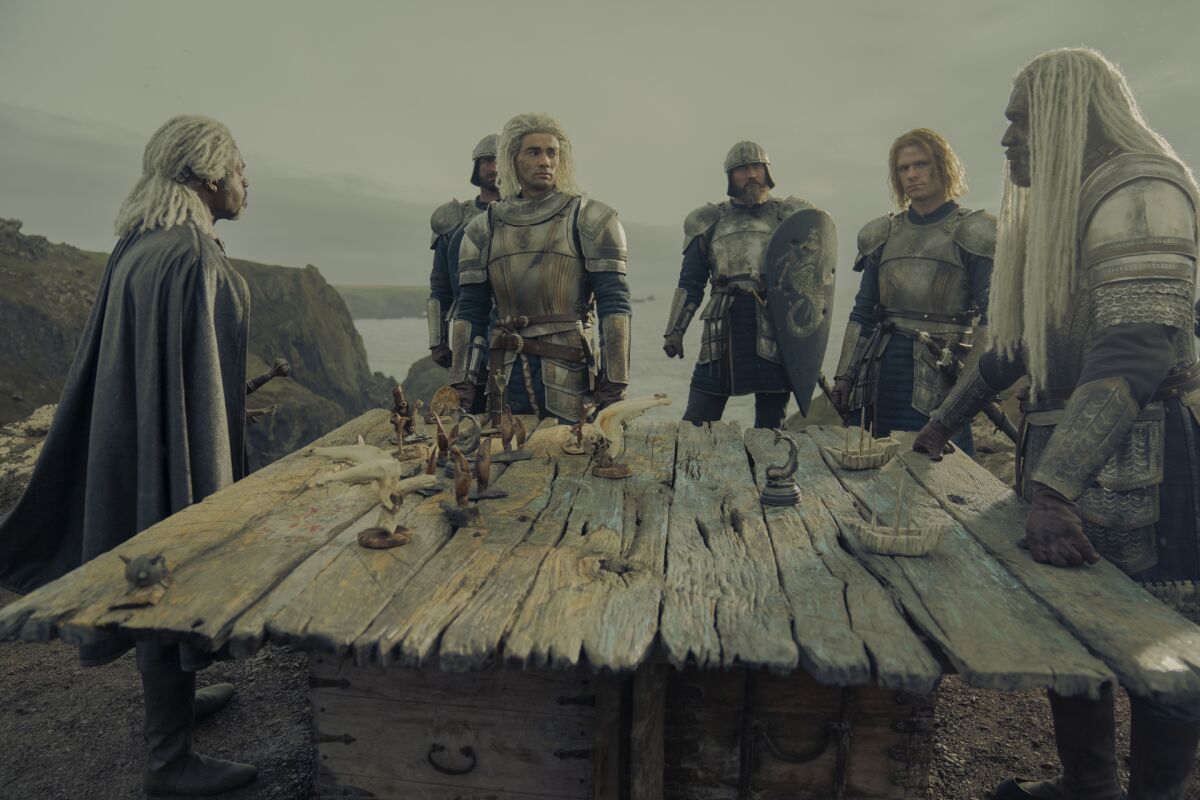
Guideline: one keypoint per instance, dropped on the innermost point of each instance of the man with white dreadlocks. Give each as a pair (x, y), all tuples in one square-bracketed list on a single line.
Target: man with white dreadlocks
[(151, 419), (447, 222), (550, 258), (1092, 298), (926, 269)]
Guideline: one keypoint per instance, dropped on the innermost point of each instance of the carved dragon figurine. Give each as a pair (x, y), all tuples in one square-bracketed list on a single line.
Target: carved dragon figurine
[(606, 435)]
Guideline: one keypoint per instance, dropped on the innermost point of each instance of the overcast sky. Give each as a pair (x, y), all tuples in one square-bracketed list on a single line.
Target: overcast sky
[(357, 118)]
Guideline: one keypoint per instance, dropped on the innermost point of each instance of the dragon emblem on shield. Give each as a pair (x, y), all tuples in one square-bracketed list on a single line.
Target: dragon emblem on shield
[(803, 276)]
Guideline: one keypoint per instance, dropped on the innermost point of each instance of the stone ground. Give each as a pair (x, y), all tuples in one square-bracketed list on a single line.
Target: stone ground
[(75, 733)]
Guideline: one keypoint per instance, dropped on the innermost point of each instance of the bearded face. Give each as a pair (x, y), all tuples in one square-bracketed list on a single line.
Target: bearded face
[(749, 183), (485, 170)]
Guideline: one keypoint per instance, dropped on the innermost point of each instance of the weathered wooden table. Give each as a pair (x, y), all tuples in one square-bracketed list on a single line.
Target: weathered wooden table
[(664, 635)]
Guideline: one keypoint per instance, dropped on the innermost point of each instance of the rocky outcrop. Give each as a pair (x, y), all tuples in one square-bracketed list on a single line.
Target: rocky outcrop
[(423, 379), (20, 443), (46, 293)]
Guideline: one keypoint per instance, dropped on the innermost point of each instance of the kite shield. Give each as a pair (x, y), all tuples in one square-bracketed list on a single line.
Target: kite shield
[(799, 269)]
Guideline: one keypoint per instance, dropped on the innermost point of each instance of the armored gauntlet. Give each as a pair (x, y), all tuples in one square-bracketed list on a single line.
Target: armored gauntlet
[(854, 346), (678, 320)]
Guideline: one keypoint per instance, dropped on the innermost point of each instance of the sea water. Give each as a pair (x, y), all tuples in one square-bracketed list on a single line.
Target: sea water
[(393, 344)]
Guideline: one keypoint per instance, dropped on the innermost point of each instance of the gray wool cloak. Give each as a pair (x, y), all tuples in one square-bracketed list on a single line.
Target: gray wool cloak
[(152, 415)]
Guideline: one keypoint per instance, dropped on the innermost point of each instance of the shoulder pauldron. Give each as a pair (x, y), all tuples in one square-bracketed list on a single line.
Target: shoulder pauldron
[(873, 236)]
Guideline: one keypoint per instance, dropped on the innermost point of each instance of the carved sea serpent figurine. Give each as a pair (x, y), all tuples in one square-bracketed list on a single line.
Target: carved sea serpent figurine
[(781, 488), (788, 468)]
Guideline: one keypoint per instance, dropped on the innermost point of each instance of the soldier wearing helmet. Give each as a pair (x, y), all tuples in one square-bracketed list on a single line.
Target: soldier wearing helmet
[(724, 245), (925, 269), (447, 223)]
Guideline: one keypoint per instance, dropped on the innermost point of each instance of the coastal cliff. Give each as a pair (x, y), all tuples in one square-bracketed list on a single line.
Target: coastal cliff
[(46, 292)]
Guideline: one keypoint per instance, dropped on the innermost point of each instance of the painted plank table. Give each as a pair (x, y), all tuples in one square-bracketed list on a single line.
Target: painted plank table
[(665, 635)]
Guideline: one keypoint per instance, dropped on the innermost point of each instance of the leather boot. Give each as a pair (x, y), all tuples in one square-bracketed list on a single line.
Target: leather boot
[(171, 766), (1162, 753), (210, 700), (1085, 733)]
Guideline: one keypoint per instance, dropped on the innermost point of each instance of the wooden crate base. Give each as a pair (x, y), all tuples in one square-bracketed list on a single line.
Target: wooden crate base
[(430, 735), (691, 735), (745, 734)]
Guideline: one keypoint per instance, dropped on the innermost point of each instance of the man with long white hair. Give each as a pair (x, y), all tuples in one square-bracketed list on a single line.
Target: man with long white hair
[(925, 270), (549, 257), (151, 419), (447, 223), (1092, 298)]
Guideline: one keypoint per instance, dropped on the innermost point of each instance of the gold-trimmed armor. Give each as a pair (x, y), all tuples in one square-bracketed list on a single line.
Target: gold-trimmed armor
[(445, 220), (1092, 442), (923, 286), (734, 239), (536, 255)]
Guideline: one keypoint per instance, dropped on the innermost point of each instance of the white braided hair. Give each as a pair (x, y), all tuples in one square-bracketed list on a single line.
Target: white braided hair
[(510, 146), (1038, 225), (185, 151)]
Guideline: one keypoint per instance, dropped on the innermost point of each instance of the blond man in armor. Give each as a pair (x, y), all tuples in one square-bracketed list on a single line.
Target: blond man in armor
[(553, 262), (725, 246), (1092, 299), (447, 223), (926, 268)]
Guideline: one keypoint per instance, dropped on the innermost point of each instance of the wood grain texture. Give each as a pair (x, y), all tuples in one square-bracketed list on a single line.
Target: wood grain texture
[(607, 777), (646, 734), (723, 604), (996, 634), (1151, 648), (588, 600), (844, 621), (408, 629), (76, 605)]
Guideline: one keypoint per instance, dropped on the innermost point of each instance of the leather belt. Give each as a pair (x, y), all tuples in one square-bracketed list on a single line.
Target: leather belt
[(535, 347), (882, 314), (519, 322), (1056, 397)]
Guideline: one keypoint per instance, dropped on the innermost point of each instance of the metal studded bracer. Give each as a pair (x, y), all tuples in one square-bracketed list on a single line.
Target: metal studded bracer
[(1097, 417)]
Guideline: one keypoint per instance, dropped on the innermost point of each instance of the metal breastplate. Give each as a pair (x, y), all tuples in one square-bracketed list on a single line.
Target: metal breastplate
[(737, 251), (533, 264), (739, 240), (920, 269)]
